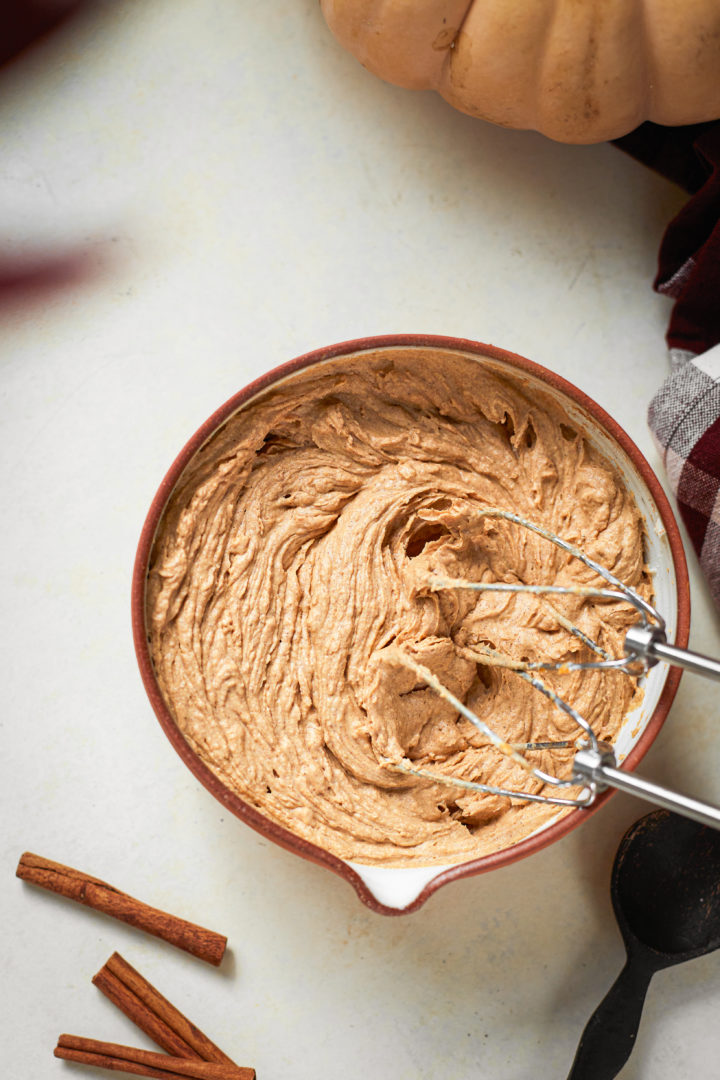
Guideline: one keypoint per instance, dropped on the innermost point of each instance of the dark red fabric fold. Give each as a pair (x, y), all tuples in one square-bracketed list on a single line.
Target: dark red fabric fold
[(689, 260)]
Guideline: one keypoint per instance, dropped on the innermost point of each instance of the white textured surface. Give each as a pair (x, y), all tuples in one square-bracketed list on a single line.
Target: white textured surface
[(246, 192)]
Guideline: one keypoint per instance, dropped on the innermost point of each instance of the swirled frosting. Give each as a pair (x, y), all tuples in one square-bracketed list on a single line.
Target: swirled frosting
[(290, 603)]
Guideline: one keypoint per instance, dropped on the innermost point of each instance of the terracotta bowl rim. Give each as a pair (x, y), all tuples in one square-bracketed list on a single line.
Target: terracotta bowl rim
[(249, 814)]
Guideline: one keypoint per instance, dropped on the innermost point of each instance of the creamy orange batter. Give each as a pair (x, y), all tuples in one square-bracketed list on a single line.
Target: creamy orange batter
[(289, 578)]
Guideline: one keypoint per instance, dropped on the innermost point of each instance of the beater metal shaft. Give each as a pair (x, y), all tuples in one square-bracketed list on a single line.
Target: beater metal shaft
[(594, 765)]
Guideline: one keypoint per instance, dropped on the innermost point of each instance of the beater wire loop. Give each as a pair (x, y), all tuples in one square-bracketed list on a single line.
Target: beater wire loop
[(630, 664), (627, 592)]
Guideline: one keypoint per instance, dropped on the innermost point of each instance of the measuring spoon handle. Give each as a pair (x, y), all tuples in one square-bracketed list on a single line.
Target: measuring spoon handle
[(609, 1035)]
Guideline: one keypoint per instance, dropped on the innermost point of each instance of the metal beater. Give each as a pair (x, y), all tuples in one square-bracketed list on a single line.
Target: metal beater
[(594, 765)]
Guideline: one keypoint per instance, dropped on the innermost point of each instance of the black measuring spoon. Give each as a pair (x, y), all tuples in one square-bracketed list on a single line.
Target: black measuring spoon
[(666, 895)]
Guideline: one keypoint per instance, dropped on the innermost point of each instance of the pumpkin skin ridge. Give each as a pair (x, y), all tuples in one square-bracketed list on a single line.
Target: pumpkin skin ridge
[(513, 100), (447, 61), (361, 28), (589, 95), (623, 62), (666, 106)]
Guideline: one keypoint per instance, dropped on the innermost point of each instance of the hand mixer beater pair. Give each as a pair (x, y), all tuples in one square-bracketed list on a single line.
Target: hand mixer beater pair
[(594, 766)]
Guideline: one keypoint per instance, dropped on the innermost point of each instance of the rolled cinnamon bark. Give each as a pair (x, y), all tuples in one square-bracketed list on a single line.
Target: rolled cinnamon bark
[(121, 1058), (99, 895), (154, 1014)]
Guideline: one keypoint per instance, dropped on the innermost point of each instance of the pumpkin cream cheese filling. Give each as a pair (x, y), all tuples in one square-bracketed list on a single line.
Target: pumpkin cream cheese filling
[(289, 587)]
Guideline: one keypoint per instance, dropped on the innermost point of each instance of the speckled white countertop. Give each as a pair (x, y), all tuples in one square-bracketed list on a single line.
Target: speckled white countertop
[(231, 190)]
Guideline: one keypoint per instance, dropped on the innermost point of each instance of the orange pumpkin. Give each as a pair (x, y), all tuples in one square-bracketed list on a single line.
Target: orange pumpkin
[(580, 71)]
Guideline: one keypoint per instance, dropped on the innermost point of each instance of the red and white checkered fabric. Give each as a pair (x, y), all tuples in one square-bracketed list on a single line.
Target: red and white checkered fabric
[(684, 415), (684, 418)]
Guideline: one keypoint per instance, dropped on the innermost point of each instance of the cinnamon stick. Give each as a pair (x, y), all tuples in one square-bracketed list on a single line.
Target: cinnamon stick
[(154, 1014), (101, 1061), (99, 895), (141, 1015), (130, 1059)]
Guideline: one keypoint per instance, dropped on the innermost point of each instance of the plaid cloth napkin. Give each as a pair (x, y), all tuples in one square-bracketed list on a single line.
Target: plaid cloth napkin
[(684, 415)]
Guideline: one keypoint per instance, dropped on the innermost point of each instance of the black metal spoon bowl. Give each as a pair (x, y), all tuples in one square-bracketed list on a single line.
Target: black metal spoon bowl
[(666, 895)]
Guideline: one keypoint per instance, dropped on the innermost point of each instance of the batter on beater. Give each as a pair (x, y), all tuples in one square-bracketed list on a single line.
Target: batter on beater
[(291, 570)]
